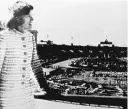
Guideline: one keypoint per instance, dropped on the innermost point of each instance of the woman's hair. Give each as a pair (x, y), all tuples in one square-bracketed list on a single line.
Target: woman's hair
[(19, 10), (14, 22)]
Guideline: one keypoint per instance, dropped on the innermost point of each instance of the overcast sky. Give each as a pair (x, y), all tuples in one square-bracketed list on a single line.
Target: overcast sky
[(87, 21)]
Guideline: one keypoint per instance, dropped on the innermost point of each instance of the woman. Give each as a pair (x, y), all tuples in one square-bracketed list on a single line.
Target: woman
[(18, 58)]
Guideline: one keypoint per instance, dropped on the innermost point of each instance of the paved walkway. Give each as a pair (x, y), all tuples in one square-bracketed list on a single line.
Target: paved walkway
[(45, 104)]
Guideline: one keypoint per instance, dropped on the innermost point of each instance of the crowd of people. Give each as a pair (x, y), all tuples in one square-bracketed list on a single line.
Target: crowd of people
[(109, 64), (55, 53), (113, 78), (75, 87)]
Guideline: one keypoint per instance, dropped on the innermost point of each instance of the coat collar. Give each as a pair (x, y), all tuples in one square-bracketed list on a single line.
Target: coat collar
[(19, 32)]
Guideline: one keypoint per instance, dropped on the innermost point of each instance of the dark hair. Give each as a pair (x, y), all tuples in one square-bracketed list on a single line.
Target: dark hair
[(23, 11), (14, 22), (17, 18)]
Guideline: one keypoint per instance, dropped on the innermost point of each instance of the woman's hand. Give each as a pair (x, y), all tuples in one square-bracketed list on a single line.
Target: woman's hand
[(53, 92)]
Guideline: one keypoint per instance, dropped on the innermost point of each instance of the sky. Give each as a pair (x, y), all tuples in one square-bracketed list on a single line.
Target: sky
[(81, 22)]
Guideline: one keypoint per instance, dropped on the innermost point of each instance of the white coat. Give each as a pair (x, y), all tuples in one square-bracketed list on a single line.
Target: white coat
[(18, 58)]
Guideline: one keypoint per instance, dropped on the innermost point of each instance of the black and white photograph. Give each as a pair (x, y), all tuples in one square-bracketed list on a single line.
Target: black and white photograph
[(63, 54)]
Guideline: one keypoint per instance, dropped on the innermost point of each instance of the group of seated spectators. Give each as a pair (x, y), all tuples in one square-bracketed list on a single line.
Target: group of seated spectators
[(84, 88), (109, 64), (80, 88)]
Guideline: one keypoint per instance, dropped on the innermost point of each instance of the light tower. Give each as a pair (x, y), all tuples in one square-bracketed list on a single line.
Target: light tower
[(47, 37), (71, 40)]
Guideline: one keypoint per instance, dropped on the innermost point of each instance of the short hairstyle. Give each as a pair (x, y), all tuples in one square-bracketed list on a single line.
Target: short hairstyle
[(23, 11), (19, 9), (14, 22)]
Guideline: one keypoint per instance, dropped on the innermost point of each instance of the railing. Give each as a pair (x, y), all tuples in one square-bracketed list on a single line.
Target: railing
[(89, 99)]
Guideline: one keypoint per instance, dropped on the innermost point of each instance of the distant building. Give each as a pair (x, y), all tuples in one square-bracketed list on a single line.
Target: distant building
[(49, 42), (106, 43)]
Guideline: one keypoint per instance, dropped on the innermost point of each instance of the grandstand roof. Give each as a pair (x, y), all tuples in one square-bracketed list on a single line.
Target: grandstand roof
[(106, 42)]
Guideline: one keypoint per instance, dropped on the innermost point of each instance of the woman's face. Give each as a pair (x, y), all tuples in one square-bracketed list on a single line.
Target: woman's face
[(27, 19)]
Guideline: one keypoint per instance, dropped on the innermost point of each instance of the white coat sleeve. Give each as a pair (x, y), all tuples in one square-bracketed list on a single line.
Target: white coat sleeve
[(39, 74), (37, 68), (2, 50)]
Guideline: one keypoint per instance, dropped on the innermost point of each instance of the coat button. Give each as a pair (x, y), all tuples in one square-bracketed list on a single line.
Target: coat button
[(24, 68), (22, 82), (25, 53), (23, 38), (23, 76), (24, 45), (24, 61)]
